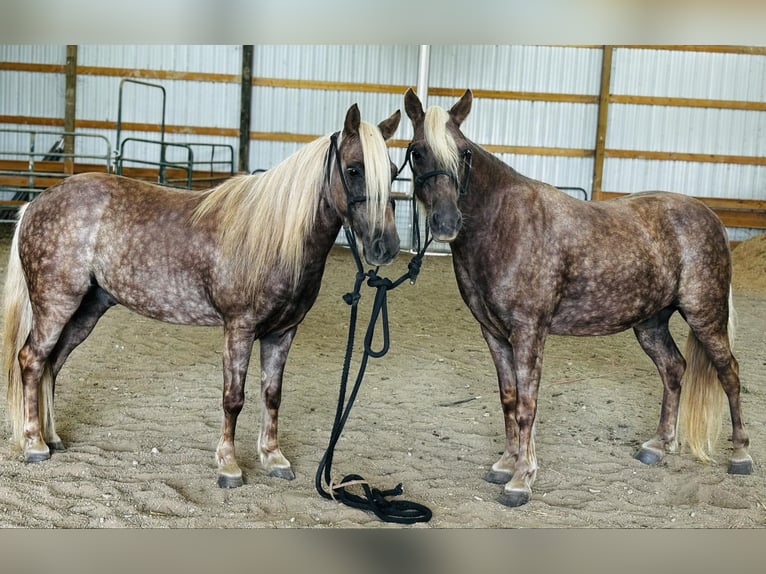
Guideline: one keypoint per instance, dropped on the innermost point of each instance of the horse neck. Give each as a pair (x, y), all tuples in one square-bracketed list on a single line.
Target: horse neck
[(490, 176), (488, 203), (322, 237)]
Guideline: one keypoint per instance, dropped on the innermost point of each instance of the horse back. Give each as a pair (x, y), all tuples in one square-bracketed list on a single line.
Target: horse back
[(131, 238)]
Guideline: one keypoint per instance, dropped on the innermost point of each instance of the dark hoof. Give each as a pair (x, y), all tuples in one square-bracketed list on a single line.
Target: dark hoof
[(741, 467), (514, 498), (648, 456), (498, 476), (225, 481), (282, 472), (56, 446), (36, 456)]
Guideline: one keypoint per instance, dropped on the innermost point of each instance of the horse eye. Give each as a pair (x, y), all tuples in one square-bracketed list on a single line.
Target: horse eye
[(416, 155), (352, 171)]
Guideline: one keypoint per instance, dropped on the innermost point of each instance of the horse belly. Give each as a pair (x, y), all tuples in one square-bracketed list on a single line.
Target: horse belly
[(160, 287), (609, 310)]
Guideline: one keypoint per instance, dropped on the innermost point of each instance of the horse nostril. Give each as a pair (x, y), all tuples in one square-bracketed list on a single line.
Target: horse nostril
[(378, 248)]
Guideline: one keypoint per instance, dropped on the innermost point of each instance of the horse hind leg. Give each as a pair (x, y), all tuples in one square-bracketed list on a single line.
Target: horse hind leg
[(40, 359), (656, 341), (711, 362), (32, 397), (93, 306)]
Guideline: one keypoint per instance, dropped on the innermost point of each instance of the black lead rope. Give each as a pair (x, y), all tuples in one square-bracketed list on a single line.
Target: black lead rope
[(374, 500)]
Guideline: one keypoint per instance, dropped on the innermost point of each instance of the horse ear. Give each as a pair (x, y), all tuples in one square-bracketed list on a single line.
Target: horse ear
[(388, 127), (353, 119), (413, 107), (462, 108)]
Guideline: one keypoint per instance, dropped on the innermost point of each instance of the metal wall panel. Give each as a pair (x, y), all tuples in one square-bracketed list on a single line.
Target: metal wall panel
[(689, 74), (551, 69), (687, 130), (680, 129), (318, 112), (32, 94), (386, 64), (512, 122), (181, 58), (33, 54)]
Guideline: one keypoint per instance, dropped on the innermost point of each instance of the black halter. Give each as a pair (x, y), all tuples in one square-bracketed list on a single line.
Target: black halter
[(462, 187), (350, 199)]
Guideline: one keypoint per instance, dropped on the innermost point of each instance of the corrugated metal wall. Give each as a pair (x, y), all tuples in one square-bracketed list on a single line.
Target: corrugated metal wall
[(535, 106), (503, 121), (314, 110), (691, 130)]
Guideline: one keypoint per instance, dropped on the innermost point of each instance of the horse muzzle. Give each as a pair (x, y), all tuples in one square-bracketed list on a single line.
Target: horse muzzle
[(382, 249), (445, 226)]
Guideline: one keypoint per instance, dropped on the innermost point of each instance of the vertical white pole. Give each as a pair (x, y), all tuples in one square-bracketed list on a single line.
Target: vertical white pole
[(424, 61)]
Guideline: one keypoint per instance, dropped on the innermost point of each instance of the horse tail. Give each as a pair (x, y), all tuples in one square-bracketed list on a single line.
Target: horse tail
[(17, 312), (702, 396)]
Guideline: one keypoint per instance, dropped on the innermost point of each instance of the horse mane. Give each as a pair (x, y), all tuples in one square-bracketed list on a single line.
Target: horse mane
[(264, 220), (441, 142)]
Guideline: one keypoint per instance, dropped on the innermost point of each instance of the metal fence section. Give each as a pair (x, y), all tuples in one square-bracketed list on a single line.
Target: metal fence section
[(37, 160)]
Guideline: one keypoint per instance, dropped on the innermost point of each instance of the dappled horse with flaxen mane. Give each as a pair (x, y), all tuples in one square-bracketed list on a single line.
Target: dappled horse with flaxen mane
[(248, 255), (531, 260)]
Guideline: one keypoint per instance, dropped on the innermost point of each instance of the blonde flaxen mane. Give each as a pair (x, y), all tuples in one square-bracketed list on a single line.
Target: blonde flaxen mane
[(264, 219), (440, 140)]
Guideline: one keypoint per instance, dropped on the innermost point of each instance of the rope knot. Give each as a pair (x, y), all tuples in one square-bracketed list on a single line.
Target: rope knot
[(414, 268), (376, 281), (351, 298)]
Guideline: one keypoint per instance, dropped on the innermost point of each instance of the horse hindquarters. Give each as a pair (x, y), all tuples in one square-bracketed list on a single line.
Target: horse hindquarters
[(28, 425)]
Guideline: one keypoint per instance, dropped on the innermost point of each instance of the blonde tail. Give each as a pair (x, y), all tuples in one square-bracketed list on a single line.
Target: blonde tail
[(17, 315), (702, 397)]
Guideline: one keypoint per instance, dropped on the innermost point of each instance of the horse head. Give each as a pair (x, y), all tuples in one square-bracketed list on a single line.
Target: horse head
[(440, 157), (362, 190)]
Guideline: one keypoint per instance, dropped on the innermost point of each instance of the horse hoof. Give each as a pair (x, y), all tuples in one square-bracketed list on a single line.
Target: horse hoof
[(37, 456), (282, 472), (649, 456), (514, 498), (230, 481), (57, 446), (741, 466), (498, 476)]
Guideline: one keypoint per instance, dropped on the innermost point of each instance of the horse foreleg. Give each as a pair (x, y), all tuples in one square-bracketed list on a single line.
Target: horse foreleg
[(502, 356), (238, 344), (656, 341), (274, 349), (527, 345)]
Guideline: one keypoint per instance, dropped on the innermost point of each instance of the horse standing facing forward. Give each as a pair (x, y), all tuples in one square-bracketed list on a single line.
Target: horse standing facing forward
[(248, 255), (531, 260)]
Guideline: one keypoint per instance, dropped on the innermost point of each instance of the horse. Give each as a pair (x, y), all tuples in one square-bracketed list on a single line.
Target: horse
[(247, 255), (530, 260)]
